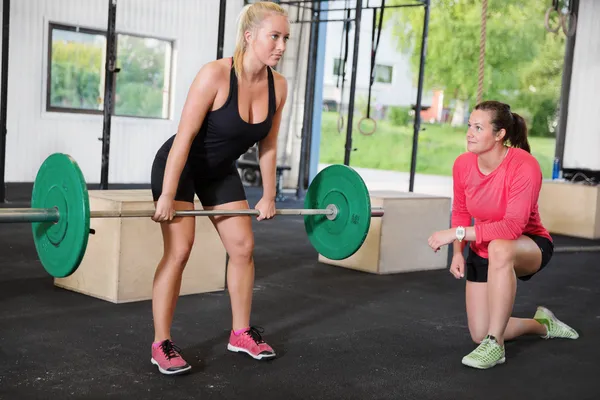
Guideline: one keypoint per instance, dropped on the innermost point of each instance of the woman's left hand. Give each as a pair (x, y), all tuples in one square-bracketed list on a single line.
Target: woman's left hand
[(441, 238), (266, 208)]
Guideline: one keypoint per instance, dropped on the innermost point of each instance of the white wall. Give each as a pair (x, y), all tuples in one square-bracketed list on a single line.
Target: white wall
[(582, 141), (33, 133)]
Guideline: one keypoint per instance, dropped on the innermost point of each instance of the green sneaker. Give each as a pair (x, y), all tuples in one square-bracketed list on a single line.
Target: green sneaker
[(555, 327), (486, 355)]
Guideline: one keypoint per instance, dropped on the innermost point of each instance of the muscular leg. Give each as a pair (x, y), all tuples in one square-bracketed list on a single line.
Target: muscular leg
[(478, 315), (490, 304), (238, 239), (178, 238), (509, 259)]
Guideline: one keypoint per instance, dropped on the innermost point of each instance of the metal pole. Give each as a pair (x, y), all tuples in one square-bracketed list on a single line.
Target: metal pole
[(205, 213), (110, 69), (4, 96), (221, 38), (576, 249), (8, 215), (308, 104), (357, 19), (13, 215), (313, 83), (563, 115), (413, 161)]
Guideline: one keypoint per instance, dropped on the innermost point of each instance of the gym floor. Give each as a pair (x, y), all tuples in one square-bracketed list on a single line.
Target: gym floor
[(340, 334)]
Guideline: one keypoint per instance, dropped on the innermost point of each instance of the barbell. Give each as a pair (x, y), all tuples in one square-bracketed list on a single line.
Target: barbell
[(337, 213)]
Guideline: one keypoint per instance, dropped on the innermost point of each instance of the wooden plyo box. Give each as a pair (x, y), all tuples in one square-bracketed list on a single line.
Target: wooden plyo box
[(122, 255), (571, 209), (397, 242)]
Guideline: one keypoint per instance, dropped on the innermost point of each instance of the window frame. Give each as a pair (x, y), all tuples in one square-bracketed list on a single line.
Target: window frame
[(70, 110)]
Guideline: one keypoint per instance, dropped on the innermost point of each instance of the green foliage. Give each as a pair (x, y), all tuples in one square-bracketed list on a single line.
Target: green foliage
[(541, 83), (399, 116), (390, 147), (141, 80), (77, 69), (523, 62)]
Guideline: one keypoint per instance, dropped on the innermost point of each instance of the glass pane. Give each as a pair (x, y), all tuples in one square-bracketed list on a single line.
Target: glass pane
[(337, 67), (143, 84), (77, 70), (383, 73)]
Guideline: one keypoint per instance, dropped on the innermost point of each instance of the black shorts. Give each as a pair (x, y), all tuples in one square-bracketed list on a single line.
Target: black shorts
[(477, 266), (222, 187)]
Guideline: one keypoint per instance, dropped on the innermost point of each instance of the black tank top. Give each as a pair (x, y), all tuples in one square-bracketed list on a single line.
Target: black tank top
[(224, 136)]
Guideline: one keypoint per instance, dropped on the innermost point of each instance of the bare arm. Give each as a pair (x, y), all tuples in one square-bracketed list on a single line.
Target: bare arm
[(267, 148), (200, 98), (459, 247), (460, 214)]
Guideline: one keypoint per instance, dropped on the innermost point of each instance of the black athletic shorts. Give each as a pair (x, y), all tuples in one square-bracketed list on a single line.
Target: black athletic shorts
[(222, 187), (477, 266)]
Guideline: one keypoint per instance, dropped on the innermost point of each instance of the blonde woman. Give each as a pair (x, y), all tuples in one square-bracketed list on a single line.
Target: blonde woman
[(232, 104)]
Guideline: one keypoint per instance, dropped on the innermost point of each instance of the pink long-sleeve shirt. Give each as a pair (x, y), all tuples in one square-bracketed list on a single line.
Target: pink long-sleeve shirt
[(503, 204)]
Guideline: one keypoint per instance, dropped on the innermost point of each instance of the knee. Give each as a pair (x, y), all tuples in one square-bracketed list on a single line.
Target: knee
[(179, 255), (501, 253), (241, 249)]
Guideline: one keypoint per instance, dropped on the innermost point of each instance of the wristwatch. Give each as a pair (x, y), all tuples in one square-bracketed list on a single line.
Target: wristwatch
[(460, 233)]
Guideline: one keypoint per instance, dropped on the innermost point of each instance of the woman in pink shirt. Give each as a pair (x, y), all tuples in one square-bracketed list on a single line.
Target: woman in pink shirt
[(497, 186)]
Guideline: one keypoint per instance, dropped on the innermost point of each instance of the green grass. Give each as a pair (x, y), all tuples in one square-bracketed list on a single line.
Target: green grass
[(390, 147)]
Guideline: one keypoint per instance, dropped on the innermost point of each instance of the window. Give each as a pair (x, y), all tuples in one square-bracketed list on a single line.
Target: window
[(337, 66), (383, 73), (76, 59)]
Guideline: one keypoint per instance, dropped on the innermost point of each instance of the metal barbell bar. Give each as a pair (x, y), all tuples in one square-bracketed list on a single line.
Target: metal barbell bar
[(17, 215)]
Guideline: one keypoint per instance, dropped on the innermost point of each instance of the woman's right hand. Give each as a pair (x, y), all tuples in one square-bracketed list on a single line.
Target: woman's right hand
[(457, 267), (165, 209)]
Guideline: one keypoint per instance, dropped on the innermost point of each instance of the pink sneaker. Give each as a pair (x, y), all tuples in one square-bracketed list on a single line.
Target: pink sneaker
[(167, 357), (251, 343)]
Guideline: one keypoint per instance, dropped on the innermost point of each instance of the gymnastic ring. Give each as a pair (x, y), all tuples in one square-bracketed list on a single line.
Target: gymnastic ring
[(547, 20), (340, 123), (572, 26), (365, 132)]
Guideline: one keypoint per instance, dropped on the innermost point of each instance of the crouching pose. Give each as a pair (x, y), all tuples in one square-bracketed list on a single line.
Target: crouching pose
[(498, 186)]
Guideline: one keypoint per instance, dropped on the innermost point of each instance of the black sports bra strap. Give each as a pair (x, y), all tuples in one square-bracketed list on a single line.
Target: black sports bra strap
[(272, 97), (232, 83)]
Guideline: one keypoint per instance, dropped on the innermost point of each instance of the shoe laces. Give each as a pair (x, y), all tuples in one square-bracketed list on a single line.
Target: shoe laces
[(255, 333), (170, 350), (488, 348)]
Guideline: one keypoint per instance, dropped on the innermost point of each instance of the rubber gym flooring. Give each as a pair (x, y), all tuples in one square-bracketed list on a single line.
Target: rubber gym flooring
[(340, 334)]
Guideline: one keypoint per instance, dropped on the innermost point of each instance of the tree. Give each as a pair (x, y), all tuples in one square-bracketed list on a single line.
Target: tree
[(515, 36), (541, 82), (141, 82), (77, 69)]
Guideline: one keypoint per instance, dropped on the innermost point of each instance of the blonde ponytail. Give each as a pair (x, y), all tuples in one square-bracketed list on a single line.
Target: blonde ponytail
[(249, 19)]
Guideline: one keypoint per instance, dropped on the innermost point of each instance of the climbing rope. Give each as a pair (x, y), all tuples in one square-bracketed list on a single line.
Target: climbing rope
[(482, 51)]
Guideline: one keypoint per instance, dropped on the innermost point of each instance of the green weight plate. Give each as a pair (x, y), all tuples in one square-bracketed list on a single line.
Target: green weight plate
[(60, 184), (343, 187)]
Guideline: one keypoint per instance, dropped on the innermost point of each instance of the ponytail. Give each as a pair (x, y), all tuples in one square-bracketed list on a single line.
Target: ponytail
[(249, 19), (503, 118), (518, 133)]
